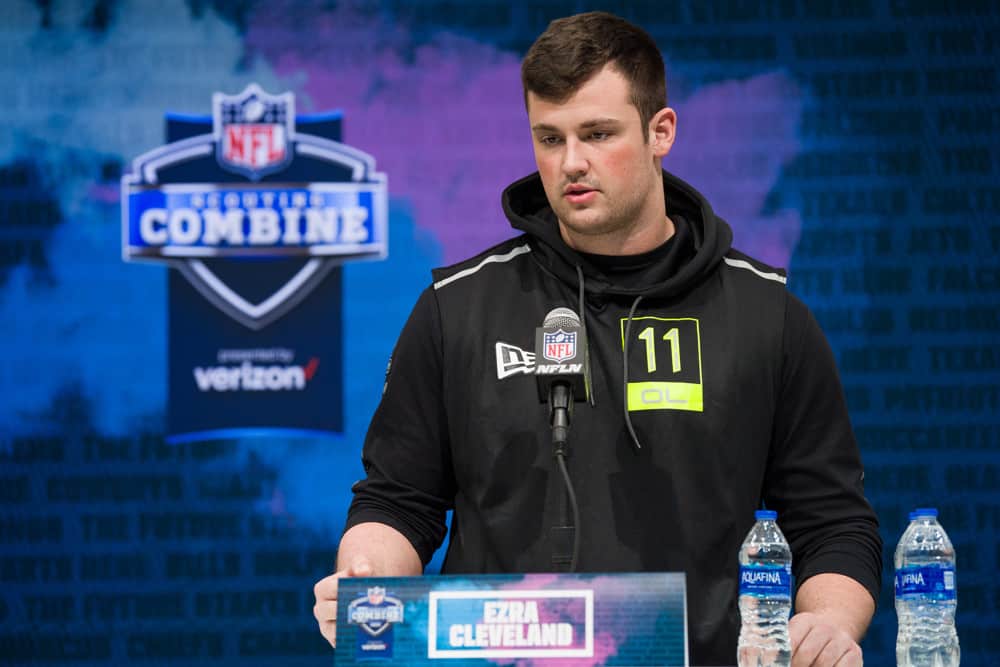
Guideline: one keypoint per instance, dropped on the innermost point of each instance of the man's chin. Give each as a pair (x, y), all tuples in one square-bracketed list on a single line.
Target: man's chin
[(586, 223)]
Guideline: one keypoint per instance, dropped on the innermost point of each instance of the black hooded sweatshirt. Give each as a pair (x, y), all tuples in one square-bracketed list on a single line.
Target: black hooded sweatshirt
[(732, 393)]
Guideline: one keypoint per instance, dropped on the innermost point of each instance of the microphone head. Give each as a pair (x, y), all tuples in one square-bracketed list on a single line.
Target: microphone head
[(561, 317)]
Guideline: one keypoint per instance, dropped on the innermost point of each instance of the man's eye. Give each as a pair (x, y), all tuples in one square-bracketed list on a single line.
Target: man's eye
[(599, 136), (549, 140)]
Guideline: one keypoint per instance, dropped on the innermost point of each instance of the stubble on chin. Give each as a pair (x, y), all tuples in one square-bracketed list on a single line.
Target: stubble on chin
[(588, 224)]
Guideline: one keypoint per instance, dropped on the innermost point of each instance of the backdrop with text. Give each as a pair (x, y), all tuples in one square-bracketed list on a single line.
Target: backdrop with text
[(856, 142)]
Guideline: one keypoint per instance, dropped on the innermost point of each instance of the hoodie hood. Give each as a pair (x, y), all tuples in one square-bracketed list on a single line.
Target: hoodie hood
[(706, 236)]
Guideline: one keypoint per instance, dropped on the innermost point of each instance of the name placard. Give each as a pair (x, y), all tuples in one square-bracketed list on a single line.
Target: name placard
[(636, 619)]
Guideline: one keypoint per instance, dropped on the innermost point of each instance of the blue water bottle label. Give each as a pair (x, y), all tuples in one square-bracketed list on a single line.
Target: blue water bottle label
[(935, 580), (773, 581)]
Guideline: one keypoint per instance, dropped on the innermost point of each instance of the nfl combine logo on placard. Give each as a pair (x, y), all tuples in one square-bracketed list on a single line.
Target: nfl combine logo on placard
[(559, 345), (329, 205), (374, 614)]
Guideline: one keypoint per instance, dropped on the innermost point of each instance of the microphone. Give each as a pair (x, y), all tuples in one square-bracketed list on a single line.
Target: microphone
[(561, 369), (561, 374)]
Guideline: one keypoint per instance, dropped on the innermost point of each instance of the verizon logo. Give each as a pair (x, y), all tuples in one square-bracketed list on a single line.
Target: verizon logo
[(250, 377)]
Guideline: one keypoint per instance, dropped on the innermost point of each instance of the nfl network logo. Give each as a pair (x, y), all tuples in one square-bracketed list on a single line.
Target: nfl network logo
[(298, 197), (559, 345)]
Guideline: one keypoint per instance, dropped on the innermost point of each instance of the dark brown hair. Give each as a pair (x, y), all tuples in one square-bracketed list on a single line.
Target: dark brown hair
[(575, 48)]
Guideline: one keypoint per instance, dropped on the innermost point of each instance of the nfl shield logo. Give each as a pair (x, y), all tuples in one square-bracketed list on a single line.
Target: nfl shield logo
[(253, 130), (559, 345), (376, 595)]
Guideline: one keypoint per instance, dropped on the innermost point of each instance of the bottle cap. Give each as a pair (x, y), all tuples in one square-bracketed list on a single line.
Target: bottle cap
[(765, 514), (925, 511)]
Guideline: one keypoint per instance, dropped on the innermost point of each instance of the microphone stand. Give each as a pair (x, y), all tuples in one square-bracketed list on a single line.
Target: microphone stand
[(564, 534)]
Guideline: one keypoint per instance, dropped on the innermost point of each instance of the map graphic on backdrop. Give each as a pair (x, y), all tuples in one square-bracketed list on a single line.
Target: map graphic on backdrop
[(256, 209)]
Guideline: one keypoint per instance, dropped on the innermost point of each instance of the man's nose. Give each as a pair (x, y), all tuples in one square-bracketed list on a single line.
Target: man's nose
[(575, 159)]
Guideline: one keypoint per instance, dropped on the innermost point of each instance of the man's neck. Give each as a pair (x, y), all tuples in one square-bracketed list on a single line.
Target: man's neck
[(637, 240)]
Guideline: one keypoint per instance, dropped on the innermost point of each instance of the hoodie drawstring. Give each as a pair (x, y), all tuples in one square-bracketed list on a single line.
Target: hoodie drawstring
[(583, 321), (628, 331)]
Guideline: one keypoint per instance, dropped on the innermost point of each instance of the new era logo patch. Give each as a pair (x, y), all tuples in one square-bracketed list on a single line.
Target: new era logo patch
[(512, 360)]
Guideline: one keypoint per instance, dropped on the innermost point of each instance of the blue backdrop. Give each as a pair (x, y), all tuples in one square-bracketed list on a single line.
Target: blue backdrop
[(856, 142)]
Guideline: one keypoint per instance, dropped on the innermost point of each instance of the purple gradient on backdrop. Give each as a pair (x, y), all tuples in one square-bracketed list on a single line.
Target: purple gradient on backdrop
[(447, 124), (447, 128), (733, 138)]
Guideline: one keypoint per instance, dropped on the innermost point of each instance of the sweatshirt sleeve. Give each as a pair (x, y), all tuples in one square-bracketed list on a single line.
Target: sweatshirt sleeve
[(406, 456), (815, 479)]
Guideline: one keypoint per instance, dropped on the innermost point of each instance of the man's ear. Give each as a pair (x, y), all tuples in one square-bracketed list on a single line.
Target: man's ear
[(662, 130)]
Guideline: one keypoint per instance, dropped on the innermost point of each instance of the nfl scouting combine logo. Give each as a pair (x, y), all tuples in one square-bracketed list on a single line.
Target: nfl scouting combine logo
[(254, 188), (374, 614)]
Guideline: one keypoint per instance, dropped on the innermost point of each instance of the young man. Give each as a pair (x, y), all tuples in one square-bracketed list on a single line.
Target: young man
[(731, 397)]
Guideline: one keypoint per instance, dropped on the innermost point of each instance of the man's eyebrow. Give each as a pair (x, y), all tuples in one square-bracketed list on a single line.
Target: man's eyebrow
[(586, 125), (600, 121)]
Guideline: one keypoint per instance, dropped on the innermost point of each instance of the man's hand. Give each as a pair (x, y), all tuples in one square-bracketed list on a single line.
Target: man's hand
[(818, 643), (325, 609), (369, 549)]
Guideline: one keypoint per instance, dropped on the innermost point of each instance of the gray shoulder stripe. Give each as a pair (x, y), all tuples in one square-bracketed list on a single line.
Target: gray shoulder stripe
[(506, 257), (743, 264)]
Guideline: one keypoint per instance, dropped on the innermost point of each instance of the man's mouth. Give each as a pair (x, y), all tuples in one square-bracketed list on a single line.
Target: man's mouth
[(578, 194)]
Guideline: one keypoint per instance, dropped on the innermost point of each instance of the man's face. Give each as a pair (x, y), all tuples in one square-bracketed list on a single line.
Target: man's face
[(597, 163)]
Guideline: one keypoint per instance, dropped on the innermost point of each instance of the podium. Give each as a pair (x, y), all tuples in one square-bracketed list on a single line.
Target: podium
[(635, 619)]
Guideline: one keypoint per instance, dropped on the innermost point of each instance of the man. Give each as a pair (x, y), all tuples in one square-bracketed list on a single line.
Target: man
[(730, 399)]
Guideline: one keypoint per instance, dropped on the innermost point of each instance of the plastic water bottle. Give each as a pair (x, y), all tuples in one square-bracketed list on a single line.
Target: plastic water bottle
[(765, 595), (926, 594)]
